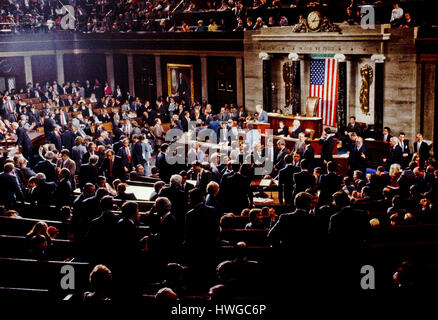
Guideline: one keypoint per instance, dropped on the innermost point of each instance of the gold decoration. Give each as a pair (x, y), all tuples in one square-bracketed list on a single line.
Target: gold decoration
[(366, 73)]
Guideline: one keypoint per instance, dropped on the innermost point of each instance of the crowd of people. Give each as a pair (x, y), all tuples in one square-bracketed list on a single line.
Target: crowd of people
[(86, 16), (192, 200)]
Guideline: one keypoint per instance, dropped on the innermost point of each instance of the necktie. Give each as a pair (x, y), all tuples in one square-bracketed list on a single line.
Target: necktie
[(10, 107), (111, 168), (62, 119), (128, 154)]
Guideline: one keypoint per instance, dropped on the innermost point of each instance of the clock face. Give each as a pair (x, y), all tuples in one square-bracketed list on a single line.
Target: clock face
[(313, 20)]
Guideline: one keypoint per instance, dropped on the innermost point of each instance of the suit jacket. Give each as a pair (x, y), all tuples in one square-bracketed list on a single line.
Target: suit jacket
[(235, 191), (309, 154), (279, 160), (302, 181), (327, 148), (118, 171), (48, 168), (396, 155), (329, 183), (59, 117), (286, 183), (55, 139), (201, 228), (24, 141), (42, 195), (354, 128), (355, 160), (68, 139), (100, 240), (10, 190), (163, 167), (137, 154), (126, 159), (62, 194), (349, 227), (69, 164), (298, 230), (423, 151), (88, 173)]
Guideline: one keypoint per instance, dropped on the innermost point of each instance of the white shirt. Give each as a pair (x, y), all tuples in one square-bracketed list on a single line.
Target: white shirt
[(396, 14)]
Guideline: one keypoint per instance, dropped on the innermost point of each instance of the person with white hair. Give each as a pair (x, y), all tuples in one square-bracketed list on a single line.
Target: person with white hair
[(263, 116), (296, 129), (396, 153)]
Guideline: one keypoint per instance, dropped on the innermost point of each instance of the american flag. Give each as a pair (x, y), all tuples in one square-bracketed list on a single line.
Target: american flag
[(324, 84)]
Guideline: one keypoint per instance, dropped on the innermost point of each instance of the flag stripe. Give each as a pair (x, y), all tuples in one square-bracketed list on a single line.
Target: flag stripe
[(324, 84)]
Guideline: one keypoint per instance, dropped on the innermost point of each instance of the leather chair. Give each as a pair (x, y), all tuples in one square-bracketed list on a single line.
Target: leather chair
[(312, 106)]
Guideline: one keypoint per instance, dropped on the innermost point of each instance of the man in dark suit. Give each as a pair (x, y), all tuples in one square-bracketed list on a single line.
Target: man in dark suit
[(162, 240), (89, 172), (203, 175), (234, 190), (100, 240), (352, 127), (42, 194), (396, 153), (386, 135), (49, 124), (348, 227), (23, 140), (327, 143), (177, 198), (299, 229), (303, 179), (112, 167), (358, 156), (422, 149), (10, 190), (63, 191), (282, 152), (329, 183), (122, 194), (9, 110), (61, 118), (55, 138), (125, 154), (286, 180), (47, 167), (309, 154), (164, 168), (137, 153), (34, 116), (406, 152), (68, 137), (201, 228)]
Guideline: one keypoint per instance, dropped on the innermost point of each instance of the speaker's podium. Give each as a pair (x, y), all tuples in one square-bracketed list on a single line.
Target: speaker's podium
[(262, 127)]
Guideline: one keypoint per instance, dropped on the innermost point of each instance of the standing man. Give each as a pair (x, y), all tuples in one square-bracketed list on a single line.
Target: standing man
[(421, 148), (23, 140), (327, 143), (263, 116)]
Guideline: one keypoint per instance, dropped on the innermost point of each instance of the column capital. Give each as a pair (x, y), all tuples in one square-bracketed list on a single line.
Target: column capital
[(340, 57), (378, 58), (294, 56), (264, 56)]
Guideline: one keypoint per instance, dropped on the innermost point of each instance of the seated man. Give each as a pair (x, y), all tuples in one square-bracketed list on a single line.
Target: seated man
[(122, 194)]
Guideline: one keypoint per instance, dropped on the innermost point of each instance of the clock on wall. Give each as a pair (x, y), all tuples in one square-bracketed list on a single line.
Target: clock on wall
[(314, 20)]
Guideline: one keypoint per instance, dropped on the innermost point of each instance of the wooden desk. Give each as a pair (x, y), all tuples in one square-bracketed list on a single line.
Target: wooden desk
[(377, 150), (37, 139), (342, 161), (290, 144), (314, 123), (262, 126)]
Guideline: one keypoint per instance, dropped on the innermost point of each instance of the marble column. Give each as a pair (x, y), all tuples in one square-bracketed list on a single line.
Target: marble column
[(267, 86), (204, 79), (341, 112), (158, 78), (28, 69), (60, 68), (379, 76), (131, 76), (110, 70), (296, 82), (239, 81)]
